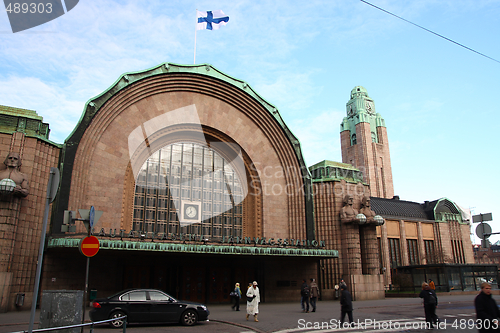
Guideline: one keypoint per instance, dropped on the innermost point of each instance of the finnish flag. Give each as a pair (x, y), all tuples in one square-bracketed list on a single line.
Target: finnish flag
[(211, 20)]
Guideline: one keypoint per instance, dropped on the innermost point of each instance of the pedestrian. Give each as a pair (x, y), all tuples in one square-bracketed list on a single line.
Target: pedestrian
[(432, 285), (342, 283), (314, 294), (304, 296), (345, 304), (430, 304), (487, 312), (253, 300), (236, 305)]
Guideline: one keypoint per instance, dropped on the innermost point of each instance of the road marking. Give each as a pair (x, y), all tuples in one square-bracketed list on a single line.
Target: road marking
[(450, 316), (466, 314)]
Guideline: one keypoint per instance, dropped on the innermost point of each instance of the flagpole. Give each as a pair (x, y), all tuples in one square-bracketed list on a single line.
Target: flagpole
[(195, 30)]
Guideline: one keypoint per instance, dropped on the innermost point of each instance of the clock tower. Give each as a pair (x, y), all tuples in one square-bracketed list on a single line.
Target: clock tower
[(364, 143)]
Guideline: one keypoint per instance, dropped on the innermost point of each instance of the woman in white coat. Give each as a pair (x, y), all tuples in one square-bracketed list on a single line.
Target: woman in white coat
[(253, 304)]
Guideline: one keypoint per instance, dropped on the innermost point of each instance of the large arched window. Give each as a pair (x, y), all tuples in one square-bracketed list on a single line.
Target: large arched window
[(188, 174)]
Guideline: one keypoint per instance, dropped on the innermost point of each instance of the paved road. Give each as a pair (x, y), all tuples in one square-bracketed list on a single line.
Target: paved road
[(389, 315)]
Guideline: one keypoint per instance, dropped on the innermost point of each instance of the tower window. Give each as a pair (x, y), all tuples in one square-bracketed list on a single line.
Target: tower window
[(374, 137), (353, 137)]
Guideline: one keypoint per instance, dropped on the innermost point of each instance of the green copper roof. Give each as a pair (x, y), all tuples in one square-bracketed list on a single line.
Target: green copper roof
[(18, 112), (334, 164), (125, 80), (26, 121), (196, 248), (359, 91), (361, 109), (330, 170), (93, 106)]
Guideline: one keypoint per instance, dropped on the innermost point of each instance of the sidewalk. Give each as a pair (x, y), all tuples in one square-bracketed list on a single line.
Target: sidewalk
[(279, 316)]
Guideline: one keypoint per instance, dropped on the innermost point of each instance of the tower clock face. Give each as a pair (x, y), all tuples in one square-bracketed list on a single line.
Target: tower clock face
[(351, 109), (369, 107)]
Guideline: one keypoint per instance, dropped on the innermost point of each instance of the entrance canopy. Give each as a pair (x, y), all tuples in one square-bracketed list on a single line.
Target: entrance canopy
[(198, 248)]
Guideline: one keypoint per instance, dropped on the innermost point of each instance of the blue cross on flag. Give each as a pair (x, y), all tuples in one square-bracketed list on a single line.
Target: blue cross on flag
[(211, 20)]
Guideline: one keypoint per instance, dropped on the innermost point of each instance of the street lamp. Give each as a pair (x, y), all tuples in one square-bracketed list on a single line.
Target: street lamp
[(379, 220), (361, 218), (7, 186)]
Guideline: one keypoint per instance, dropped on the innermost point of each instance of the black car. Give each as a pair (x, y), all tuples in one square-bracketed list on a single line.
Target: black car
[(147, 306)]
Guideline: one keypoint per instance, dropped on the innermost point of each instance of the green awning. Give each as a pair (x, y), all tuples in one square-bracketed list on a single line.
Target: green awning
[(106, 244)]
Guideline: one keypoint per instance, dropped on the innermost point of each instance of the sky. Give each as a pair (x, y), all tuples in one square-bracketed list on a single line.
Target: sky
[(438, 99)]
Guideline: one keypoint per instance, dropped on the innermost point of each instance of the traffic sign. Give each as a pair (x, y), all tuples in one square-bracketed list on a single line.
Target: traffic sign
[(482, 218), (483, 230), (89, 246), (91, 216)]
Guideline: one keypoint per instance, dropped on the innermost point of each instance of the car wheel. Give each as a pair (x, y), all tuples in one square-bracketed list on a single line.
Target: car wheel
[(189, 318), (117, 323)]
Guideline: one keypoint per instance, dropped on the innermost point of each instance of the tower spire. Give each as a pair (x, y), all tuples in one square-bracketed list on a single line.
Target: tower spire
[(364, 143)]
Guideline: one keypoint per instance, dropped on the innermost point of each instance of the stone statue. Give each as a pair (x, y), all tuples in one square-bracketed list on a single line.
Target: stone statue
[(371, 216), (367, 210), (13, 164), (348, 213)]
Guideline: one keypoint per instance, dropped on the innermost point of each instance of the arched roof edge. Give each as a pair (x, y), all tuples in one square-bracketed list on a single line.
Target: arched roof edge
[(93, 105)]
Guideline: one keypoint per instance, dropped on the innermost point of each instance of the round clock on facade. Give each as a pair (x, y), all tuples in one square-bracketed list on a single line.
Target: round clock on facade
[(191, 211)]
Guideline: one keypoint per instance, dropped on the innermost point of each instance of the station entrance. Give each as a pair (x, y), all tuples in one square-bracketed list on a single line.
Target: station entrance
[(204, 281)]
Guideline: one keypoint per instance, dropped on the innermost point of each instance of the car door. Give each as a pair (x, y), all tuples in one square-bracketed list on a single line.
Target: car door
[(163, 307), (137, 306)]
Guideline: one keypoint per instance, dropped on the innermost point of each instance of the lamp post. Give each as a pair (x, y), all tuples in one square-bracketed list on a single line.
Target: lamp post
[(7, 186), (361, 218), (379, 220)]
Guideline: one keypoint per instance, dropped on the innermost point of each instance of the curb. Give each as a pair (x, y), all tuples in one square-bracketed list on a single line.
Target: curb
[(238, 325)]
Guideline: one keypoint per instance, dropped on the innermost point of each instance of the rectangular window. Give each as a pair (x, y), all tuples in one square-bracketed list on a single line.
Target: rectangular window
[(429, 252), (395, 252), (412, 251)]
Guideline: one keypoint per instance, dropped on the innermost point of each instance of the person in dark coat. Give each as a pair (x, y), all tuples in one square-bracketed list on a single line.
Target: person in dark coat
[(345, 304), (487, 312), (430, 304), (304, 296)]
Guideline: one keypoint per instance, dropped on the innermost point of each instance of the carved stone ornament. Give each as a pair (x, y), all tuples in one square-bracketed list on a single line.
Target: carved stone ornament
[(371, 216), (12, 181), (350, 215)]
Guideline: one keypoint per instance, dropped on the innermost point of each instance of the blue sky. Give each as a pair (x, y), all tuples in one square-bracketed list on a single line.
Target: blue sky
[(438, 99)]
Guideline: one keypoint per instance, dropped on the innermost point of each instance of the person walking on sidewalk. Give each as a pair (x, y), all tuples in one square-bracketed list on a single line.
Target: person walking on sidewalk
[(314, 294), (432, 285), (487, 311), (253, 300), (430, 304), (236, 305), (304, 296), (345, 304)]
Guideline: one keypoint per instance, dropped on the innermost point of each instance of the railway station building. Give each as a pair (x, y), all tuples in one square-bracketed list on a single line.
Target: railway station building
[(201, 185)]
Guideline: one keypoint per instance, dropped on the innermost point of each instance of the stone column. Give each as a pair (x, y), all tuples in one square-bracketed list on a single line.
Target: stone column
[(386, 256), (351, 254), (421, 245), (9, 215), (370, 250), (402, 242)]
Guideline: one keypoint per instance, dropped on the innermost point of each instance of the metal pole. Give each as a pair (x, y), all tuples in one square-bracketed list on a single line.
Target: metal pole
[(40, 252), (86, 288)]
